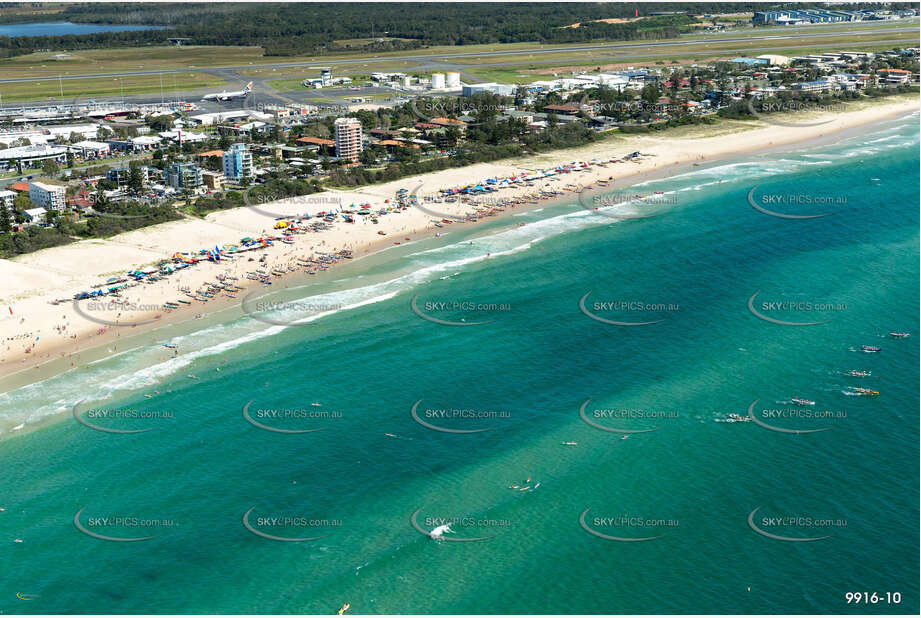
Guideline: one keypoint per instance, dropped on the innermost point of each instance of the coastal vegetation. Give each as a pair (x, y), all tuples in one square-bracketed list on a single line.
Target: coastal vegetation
[(276, 187), (66, 228)]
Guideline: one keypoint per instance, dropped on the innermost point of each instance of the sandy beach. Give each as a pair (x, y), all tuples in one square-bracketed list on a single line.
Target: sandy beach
[(33, 331)]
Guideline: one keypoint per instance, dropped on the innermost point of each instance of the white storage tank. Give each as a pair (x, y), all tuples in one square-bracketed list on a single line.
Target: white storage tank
[(438, 80), (454, 80)]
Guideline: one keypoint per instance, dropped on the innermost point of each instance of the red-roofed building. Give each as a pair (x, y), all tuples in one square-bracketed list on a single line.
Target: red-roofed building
[(448, 122), (383, 133), (210, 154), (570, 109), (319, 141), (391, 144), (895, 76), (324, 146)]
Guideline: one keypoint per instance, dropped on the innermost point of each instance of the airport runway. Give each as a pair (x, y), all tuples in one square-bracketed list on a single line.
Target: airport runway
[(515, 52)]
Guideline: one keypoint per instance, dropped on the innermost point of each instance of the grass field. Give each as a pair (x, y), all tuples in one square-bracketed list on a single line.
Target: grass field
[(31, 12), (86, 62), (105, 86), (705, 50), (289, 85), (510, 75)]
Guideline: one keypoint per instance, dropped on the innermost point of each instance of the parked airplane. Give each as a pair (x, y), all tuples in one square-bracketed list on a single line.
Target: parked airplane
[(229, 96)]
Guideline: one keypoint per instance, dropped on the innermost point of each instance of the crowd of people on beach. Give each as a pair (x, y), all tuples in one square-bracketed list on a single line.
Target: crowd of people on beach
[(237, 266)]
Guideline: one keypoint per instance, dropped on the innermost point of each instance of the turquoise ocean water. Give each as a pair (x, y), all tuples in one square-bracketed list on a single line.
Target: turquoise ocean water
[(366, 358)]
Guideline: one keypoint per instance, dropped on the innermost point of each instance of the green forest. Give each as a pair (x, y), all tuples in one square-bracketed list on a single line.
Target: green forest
[(322, 28)]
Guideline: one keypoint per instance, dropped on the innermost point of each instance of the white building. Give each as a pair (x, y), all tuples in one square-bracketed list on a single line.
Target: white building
[(145, 142), (178, 135), (48, 196), (774, 59), (817, 86), (136, 144), (385, 77), (500, 89), (7, 197), (219, 117), (248, 128), (613, 80), (31, 156), (86, 131), (34, 215), (91, 150), (49, 133), (348, 138)]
